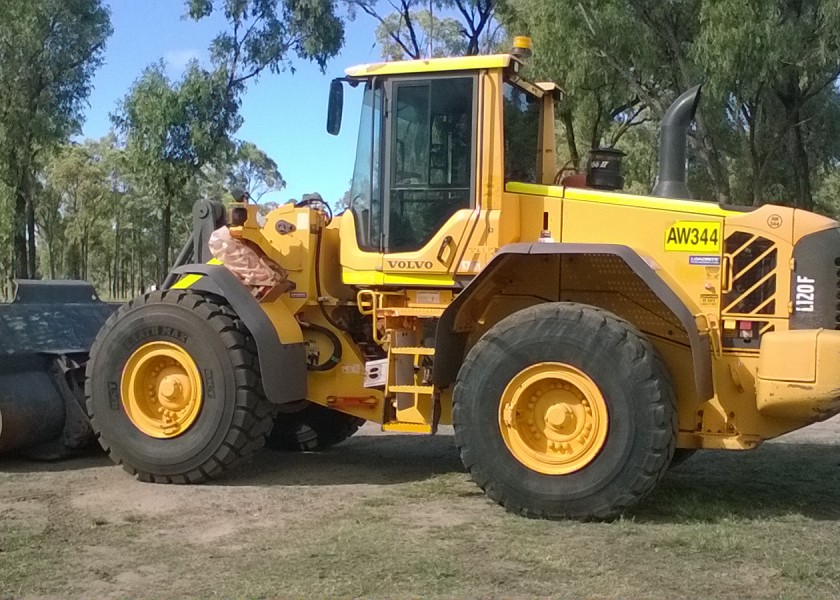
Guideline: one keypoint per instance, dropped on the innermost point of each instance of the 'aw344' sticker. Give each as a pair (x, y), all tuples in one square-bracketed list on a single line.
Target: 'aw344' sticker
[(698, 237)]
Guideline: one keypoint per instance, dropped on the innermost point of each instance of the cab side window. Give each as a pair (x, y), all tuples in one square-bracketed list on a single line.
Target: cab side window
[(522, 134), (431, 158)]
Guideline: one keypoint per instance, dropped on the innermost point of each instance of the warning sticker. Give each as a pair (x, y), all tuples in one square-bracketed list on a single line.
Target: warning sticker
[(708, 299), (693, 236)]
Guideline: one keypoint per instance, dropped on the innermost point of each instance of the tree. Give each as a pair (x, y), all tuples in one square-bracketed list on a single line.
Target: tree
[(254, 171), (74, 210), (249, 169), (267, 34), (768, 66), (172, 130), (413, 30), (49, 50), (779, 62), (175, 131), (429, 36)]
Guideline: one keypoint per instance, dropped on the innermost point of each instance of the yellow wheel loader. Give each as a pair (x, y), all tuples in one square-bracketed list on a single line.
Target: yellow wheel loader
[(576, 337)]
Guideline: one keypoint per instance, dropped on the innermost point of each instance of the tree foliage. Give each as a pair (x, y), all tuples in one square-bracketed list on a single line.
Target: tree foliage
[(116, 210), (415, 29), (177, 131), (49, 50), (770, 68), (172, 131)]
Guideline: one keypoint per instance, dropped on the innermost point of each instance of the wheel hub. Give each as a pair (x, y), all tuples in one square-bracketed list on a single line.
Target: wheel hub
[(553, 418), (161, 389)]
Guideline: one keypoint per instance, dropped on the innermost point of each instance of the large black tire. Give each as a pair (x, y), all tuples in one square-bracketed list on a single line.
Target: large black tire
[(234, 417), (635, 387), (312, 428)]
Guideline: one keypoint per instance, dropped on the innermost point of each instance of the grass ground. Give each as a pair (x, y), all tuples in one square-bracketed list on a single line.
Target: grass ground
[(396, 516)]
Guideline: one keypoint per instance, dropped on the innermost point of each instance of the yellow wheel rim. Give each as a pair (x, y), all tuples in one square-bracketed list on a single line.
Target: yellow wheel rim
[(161, 389), (553, 418)]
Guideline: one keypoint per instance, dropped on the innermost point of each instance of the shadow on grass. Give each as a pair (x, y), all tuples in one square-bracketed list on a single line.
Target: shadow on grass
[(774, 481), (714, 486), (363, 459), (777, 480)]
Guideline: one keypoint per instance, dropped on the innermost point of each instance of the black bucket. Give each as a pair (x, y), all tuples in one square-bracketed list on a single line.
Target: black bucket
[(45, 336), (604, 169)]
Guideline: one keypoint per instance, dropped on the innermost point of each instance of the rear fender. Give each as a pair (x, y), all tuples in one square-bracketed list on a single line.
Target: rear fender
[(279, 339), (505, 272)]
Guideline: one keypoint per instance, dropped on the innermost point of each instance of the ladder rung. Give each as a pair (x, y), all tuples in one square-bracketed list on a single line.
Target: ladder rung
[(407, 427), (402, 311), (414, 350)]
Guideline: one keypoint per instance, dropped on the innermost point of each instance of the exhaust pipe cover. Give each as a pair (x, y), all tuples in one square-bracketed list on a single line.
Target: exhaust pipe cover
[(673, 138)]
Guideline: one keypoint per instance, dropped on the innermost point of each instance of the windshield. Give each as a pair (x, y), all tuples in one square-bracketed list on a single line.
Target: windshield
[(366, 197)]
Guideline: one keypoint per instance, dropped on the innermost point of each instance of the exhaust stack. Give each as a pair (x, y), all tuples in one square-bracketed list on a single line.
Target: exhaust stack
[(672, 145)]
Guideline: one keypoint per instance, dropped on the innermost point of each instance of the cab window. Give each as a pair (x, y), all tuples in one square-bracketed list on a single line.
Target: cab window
[(430, 158), (522, 134)]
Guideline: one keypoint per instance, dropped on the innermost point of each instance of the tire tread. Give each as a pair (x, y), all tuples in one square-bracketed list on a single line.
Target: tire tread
[(252, 407), (661, 408)]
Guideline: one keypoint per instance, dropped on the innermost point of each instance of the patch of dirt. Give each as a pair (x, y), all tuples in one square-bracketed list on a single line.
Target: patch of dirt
[(86, 528)]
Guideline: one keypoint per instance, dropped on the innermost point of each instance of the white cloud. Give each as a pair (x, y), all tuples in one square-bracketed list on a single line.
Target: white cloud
[(177, 60)]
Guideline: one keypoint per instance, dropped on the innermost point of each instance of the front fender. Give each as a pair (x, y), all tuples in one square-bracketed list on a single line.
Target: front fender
[(280, 347), (456, 321)]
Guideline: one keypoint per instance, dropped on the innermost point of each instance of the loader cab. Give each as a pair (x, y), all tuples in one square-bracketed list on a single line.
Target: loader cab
[(430, 163)]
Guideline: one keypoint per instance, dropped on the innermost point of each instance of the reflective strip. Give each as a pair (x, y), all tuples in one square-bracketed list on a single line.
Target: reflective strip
[(189, 280), (586, 195), (351, 277)]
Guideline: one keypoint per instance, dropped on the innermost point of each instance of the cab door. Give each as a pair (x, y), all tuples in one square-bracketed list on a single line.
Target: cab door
[(429, 181)]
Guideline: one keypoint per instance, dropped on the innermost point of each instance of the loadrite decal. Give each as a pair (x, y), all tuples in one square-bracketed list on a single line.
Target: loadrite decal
[(410, 264), (693, 236), (704, 260)]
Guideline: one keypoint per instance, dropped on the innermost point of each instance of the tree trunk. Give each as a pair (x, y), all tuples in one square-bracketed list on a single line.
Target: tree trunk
[(51, 252), (116, 270), (799, 162), (714, 165), (569, 126), (32, 263), (20, 249), (166, 226)]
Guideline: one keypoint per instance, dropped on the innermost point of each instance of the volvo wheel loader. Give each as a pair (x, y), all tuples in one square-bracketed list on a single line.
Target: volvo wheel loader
[(578, 338)]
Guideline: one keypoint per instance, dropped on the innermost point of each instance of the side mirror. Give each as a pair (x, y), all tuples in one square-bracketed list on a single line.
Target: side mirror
[(335, 107)]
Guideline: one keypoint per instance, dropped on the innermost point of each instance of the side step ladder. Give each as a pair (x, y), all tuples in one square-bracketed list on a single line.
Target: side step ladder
[(415, 404)]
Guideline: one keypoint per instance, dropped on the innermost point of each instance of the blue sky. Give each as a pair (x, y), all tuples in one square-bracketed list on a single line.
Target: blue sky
[(284, 114)]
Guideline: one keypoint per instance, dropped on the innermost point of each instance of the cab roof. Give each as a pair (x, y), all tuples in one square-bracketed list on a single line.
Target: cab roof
[(430, 65)]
